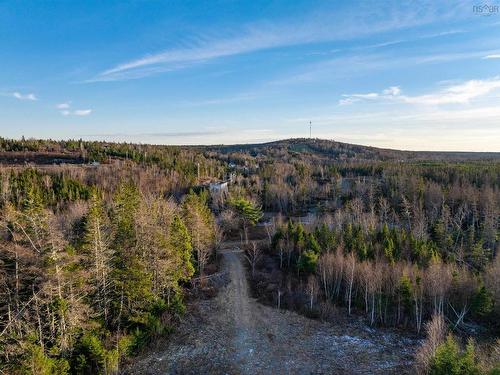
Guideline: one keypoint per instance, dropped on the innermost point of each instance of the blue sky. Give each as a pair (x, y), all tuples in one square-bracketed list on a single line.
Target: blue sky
[(420, 75)]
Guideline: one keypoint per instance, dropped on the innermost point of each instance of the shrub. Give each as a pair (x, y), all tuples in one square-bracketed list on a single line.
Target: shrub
[(482, 303), (307, 261), (450, 360), (37, 362), (91, 357)]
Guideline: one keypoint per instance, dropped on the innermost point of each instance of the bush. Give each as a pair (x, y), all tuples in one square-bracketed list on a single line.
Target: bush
[(450, 360), (37, 362), (482, 303), (307, 261), (151, 325), (436, 333), (91, 357)]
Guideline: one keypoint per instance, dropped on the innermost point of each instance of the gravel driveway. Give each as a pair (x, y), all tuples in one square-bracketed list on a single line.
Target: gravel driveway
[(233, 334)]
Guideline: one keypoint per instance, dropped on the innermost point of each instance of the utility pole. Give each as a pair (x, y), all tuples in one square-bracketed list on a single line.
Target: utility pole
[(310, 129)]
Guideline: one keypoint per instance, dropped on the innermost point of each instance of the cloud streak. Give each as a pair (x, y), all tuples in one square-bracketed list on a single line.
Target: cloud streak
[(462, 93), (175, 59), (20, 96), (412, 128), (77, 112), (356, 65), (64, 109), (317, 27), (200, 133)]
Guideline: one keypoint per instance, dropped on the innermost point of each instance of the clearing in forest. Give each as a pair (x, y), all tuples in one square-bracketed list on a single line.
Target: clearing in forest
[(234, 334)]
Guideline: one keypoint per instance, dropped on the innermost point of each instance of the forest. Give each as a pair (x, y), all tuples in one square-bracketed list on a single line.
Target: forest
[(99, 256)]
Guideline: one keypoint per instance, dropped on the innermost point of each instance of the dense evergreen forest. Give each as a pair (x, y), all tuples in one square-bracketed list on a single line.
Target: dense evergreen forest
[(100, 242)]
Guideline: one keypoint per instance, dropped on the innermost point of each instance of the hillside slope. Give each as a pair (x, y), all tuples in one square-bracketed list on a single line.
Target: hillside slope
[(337, 150)]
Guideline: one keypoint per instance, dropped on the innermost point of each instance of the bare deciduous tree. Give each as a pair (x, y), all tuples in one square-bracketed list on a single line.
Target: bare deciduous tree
[(253, 255), (312, 289), (436, 333), (349, 277)]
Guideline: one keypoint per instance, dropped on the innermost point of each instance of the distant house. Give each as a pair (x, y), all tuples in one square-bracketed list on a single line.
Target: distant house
[(219, 192), (220, 188)]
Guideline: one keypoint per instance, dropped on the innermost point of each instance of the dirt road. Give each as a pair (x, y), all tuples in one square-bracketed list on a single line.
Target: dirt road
[(233, 334)]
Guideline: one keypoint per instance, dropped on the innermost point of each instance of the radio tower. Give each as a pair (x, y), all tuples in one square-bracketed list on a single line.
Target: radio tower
[(310, 129)]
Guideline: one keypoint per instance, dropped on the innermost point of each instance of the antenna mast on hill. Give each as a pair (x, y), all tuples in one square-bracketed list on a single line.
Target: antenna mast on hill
[(310, 129)]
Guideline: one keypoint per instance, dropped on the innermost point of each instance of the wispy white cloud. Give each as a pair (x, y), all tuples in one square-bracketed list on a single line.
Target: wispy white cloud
[(392, 91), (65, 105), (494, 56), (20, 96), (77, 112), (223, 100), (320, 26), (413, 128), (458, 94), (408, 40), (251, 40), (359, 64), (82, 112), (353, 98), (173, 134), (389, 93), (462, 93), (405, 115), (418, 122), (64, 109), (207, 136)]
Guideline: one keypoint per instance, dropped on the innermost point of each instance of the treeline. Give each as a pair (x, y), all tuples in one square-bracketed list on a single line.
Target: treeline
[(57, 185), (189, 162), (338, 151), (85, 285), (93, 268), (393, 278), (288, 187), (49, 189), (397, 239), (454, 205)]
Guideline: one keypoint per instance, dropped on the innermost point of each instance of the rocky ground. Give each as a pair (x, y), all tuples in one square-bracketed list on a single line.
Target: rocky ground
[(233, 334)]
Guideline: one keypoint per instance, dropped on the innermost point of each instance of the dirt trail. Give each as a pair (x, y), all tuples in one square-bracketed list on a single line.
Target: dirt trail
[(233, 334)]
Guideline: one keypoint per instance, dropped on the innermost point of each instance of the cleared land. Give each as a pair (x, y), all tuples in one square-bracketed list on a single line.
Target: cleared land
[(233, 334)]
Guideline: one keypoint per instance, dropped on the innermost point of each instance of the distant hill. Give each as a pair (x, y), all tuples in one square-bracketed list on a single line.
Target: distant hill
[(341, 151), (79, 151)]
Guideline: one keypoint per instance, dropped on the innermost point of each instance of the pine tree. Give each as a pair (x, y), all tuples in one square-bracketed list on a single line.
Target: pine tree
[(100, 254), (450, 360), (200, 223), (482, 302), (133, 283), (248, 213), (180, 241)]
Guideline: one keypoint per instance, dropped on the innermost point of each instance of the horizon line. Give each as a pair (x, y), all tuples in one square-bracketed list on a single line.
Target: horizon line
[(243, 144)]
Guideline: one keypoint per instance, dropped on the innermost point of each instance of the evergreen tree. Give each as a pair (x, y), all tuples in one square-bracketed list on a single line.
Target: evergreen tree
[(450, 360), (247, 212), (307, 261), (133, 283), (200, 223), (180, 241), (482, 302), (99, 255)]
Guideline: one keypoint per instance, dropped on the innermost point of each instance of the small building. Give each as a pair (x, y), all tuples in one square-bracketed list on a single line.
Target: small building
[(220, 188)]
